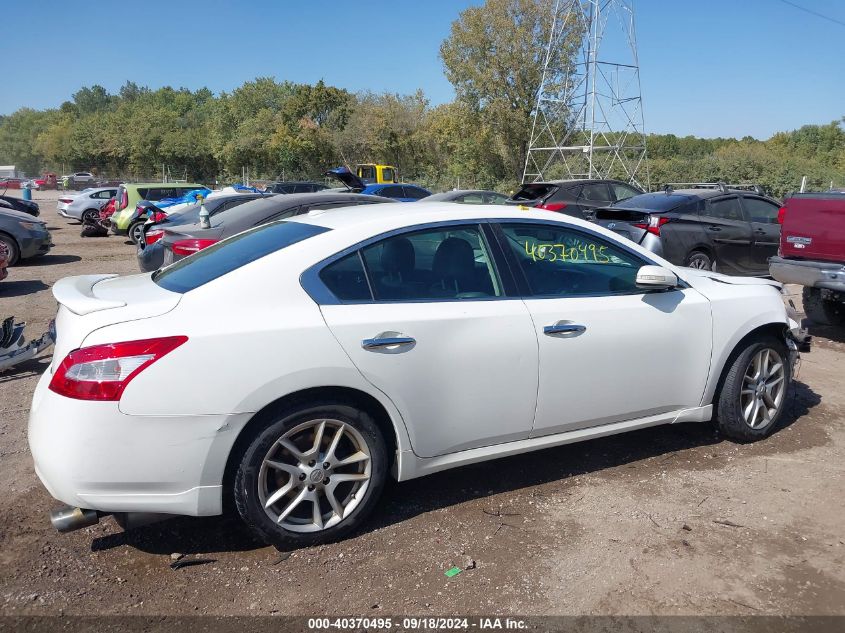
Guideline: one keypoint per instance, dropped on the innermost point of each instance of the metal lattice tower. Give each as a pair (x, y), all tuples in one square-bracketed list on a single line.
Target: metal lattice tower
[(588, 122)]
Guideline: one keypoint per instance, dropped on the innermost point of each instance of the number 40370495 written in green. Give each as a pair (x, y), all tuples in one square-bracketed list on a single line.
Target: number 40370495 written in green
[(591, 253)]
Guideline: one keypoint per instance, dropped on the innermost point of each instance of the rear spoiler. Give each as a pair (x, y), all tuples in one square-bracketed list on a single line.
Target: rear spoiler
[(77, 294)]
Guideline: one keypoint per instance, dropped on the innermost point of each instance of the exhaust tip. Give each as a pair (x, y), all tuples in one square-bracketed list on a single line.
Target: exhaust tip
[(67, 519)]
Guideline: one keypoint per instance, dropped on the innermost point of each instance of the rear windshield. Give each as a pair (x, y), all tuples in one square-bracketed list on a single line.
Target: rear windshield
[(533, 191), (657, 202), (228, 255)]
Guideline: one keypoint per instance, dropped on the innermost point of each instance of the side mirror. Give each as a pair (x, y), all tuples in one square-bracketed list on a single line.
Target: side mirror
[(656, 278)]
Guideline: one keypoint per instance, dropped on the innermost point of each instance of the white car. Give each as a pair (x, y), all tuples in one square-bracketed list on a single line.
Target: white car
[(295, 366), (86, 204)]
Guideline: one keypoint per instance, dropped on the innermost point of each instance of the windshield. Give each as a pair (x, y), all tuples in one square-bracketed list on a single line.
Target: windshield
[(224, 257)]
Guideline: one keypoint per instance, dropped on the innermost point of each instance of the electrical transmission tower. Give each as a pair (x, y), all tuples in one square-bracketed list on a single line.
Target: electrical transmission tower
[(588, 122)]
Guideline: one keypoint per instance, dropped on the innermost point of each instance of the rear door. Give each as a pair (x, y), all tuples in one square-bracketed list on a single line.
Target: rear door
[(429, 324), (729, 233), (765, 230)]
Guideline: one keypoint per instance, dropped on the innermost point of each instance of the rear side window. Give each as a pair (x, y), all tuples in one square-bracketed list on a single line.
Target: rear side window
[(346, 279), (388, 175), (392, 192), (725, 209), (415, 192), (533, 191), (596, 192), (224, 257)]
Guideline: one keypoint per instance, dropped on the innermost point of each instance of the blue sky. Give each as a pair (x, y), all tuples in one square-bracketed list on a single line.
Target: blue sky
[(715, 68)]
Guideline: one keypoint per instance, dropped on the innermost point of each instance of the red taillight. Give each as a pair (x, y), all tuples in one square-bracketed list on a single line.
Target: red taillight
[(124, 200), (101, 372), (781, 215), (189, 247), (158, 216), (653, 225), (65, 200), (552, 206), (152, 236)]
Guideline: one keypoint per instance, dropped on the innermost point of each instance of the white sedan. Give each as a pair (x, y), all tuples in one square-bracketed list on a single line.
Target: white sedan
[(296, 366)]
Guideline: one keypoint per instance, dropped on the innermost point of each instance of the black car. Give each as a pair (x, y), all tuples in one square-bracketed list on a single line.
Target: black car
[(16, 204), (577, 198), (183, 240), (731, 228), (294, 187), (154, 229)]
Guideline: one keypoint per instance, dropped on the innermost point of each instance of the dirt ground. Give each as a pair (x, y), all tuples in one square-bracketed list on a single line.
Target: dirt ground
[(671, 520)]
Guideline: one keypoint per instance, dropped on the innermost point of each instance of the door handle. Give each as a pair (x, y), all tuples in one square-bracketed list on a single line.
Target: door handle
[(387, 341), (564, 327), (713, 228)]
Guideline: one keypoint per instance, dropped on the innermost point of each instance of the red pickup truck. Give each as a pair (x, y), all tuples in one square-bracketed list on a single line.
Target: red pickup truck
[(812, 253)]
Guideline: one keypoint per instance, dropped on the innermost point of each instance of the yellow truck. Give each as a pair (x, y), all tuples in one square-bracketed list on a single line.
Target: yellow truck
[(373, 174)]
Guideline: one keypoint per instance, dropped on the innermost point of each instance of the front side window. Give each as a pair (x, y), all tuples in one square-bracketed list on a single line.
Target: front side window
[(562, 262), (224, 257), (442, 263), (759, 210), (725, 209)]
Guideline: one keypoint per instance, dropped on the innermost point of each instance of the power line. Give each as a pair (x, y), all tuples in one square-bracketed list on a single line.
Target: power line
[(815, 13)]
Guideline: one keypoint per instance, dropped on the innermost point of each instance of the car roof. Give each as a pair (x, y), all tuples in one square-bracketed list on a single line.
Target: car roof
[(189, 185), (574, 181), (378, 218)]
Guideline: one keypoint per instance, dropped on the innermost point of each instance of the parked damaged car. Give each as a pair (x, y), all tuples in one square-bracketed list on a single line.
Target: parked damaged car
[(300, 363)]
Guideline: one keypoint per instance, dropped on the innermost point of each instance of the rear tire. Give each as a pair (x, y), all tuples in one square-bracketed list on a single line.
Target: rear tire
[(700, 261), (754, 392), (12, 248), (136, 232), (820, 310), (293, 499), (89, 215)]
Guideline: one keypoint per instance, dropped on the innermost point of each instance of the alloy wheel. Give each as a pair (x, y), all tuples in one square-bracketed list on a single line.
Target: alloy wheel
[(763, 388), (315, 475), (137, 233), (701, 262)]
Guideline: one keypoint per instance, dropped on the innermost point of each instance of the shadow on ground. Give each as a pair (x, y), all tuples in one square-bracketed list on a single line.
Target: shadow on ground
[(20, 288), (48, 260), (403, 501)]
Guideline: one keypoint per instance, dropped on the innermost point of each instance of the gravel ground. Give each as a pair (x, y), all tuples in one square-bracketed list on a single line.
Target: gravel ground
[(671, 520)]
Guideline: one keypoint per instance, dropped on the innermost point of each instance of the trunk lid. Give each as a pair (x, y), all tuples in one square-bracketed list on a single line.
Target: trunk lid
[(814, 227), (89, 302), (347, 178), (630, 223)]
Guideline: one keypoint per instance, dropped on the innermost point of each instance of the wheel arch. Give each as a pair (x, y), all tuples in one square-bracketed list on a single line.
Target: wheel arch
[(774, 329), (342, 395)]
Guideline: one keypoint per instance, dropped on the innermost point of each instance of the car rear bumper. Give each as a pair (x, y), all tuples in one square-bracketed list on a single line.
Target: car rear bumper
[(814, 274), (91, 455)]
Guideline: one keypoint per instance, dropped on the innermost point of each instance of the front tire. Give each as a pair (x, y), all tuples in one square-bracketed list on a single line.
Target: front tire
[(14, 253), (754, 392), (89, 216), (820, 310), (312, 475)]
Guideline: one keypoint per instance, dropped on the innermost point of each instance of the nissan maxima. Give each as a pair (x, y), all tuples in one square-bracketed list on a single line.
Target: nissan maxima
[(292, 368)]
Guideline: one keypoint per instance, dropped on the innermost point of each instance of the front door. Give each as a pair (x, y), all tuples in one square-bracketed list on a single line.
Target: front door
[(428, 324), (765, 230), (729, 233), (609, 351)]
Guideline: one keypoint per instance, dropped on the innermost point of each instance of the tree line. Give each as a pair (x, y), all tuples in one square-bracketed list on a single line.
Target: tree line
[(285, 130)]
